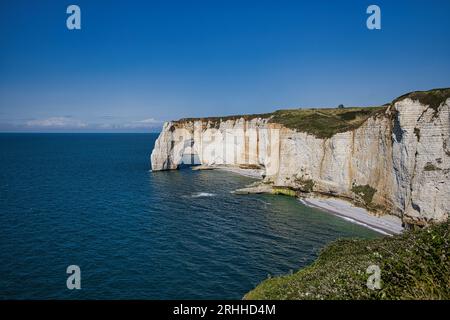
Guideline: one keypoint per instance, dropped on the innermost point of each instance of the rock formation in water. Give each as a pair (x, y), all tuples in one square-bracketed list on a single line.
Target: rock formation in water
[(392, 159)]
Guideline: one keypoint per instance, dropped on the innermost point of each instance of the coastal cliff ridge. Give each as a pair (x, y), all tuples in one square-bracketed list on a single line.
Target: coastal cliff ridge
[(391, 159)]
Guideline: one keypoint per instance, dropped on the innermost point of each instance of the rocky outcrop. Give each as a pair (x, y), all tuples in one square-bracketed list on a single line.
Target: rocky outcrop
[(396, 161), (421, 161)]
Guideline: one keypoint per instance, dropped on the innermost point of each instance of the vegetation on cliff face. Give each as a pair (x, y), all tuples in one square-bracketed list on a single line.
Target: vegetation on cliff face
[(305, 185), (365, 192), (284, 191), (431, 167), (414, 265)]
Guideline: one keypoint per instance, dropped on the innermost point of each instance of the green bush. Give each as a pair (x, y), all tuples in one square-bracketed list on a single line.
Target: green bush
[(414, 265), (305, 185), (366, 193), (284, 191), (431, 167)]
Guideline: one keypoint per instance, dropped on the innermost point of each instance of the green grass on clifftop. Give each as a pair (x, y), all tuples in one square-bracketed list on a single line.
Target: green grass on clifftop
[(432, 98), (414, 265), (322, 123)]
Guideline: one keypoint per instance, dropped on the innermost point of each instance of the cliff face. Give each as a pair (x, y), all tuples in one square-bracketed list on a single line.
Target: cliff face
[(395, 161), (421, 161)]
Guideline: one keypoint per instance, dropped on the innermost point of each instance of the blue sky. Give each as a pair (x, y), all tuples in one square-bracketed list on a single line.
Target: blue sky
[(135, 64)]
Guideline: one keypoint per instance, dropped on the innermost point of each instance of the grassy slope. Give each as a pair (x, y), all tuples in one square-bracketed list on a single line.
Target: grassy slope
[(324, 123), (414, 265)]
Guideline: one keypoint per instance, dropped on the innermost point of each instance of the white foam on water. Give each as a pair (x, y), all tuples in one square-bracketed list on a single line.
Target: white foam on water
[(364, 225), (264, 202), (202, 194)]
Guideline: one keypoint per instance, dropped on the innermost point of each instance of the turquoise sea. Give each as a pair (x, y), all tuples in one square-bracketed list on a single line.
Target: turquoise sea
[(90, 200)]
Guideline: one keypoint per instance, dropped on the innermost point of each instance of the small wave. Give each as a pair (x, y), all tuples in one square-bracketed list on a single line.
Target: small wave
[(364, 225), (202, 194), (264, 202)]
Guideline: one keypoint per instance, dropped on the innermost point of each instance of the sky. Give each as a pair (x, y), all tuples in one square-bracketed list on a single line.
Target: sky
[(135, 64)]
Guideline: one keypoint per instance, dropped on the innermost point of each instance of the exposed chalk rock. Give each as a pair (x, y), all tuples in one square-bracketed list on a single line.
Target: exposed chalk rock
[(397, 161)]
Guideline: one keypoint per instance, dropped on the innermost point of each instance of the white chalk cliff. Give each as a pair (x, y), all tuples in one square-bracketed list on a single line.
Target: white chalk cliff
[(397, 161)]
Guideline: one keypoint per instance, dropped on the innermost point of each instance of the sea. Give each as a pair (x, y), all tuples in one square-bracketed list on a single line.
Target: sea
[(91, 201)]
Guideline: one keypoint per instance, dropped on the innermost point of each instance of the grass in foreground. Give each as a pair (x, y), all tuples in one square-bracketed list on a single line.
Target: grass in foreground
[(414, 265)]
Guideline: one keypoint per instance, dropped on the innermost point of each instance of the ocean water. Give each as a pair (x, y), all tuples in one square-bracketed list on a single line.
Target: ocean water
[(90, 200)]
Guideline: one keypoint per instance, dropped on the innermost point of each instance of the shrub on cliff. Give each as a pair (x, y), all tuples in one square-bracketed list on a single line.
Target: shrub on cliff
[(365, 192), (414, 265)]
